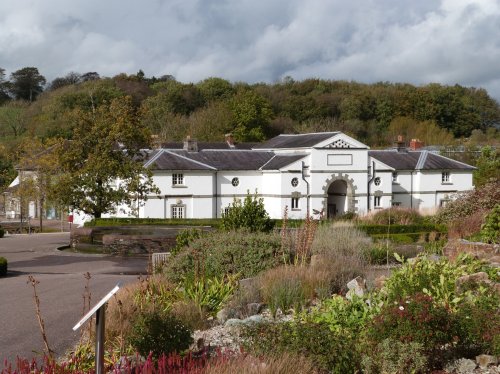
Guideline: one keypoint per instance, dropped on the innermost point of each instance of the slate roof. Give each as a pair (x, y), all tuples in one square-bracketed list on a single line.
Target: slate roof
[(280, 161), (417, 160), (208, 160), (209, 145), (296, 140)]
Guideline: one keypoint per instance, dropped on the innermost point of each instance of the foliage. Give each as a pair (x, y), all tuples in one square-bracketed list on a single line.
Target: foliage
[(435, 278), (291, 287), (395, 357), (217, 253), (488, 166), (490, 230), (250, 214), (328, 350), (339, 249), (184, 238), (3, 266), (210, 294), (252, 114), (96, 176), (401, 229), (482, 198), (159, 333), (26, 83), (417, 319), (13, 121), (396, 216)]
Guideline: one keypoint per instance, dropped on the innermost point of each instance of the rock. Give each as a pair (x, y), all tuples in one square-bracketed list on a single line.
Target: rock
[(357, 286), (233, 322), (224, 314), (472, 279), (247, 283), (379, 282), (254, 308), (461, 366), (253, 319), (485, 360)]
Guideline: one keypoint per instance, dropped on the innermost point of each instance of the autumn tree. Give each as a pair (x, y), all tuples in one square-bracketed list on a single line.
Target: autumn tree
[(26, 83), (13, 120), (102, 166), (4, 87), (68, 79), (488, 166)]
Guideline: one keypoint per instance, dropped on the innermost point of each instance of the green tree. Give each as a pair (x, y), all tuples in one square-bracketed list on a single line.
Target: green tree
[(250, 214), (27, 83), (13, 120), (68, 79), (252, 114), (215, 89), (488, 166), (102, 167)]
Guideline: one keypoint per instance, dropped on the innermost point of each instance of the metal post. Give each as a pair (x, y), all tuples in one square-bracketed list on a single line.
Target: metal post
[(99, 340)]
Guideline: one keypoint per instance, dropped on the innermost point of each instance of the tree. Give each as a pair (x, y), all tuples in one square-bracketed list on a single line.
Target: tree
[(252, 114), (102, 167), (27, 83), (13, 119), (4, 87), (251, 215), (488, 167), (68, 79)]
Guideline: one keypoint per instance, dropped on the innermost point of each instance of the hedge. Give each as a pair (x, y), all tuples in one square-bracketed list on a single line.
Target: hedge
[(3, 266), (402, 229), (415, 237), (2, 232)]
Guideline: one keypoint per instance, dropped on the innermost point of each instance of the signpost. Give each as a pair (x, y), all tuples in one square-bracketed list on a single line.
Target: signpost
[(99, 310)]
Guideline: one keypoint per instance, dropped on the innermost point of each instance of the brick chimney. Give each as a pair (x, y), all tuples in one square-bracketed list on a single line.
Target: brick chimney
[(190, 145), (400, 144), (229, 140), (416, 144)]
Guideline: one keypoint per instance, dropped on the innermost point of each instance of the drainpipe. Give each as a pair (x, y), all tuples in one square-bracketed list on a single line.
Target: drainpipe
[(307, 184), (411, 189), (369, 184), (216, 198)]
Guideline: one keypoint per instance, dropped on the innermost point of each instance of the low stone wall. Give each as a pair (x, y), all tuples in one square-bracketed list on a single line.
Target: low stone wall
[(137, 244), (489, 252)]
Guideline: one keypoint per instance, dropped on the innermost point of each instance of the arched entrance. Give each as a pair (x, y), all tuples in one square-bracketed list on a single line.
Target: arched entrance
[(339, 196)]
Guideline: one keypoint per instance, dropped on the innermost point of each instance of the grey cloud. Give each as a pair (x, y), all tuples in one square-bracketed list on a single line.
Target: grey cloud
[(447, 41)]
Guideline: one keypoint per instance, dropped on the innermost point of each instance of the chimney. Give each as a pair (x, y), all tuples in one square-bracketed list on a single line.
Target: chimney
[(400, 144), (230, 140), (416, 144), (190, 145)]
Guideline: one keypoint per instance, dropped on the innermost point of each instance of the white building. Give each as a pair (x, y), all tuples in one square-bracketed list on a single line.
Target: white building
[(329, 173)]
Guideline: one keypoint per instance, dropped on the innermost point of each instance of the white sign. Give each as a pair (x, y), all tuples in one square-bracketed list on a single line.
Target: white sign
[(103, 301)]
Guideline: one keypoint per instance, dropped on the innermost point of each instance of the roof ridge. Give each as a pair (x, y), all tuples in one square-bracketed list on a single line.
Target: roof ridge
[(190, 159), (267, 162), (421, 160), (154, 158)]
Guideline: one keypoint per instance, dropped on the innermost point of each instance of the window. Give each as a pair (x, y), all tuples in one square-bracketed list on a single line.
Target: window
[(177, 179), (377, 201), (235, 181), (295, 203), (395, 177), (295, 182), (443, 202), (177, 211), (396, 203), (445, 177), (377, 181), (226, 211)]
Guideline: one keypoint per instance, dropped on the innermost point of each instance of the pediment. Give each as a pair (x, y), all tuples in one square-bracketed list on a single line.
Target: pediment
[(342, 141), (340, 144)]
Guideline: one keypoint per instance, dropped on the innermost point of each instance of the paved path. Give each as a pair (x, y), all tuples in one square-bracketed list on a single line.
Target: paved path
[(60, 291)]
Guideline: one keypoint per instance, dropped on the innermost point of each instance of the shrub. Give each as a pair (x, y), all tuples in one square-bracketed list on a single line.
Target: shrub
[(2, 232), (466, 227), (184, 238), (490, 230), (284, 363), (417, 319), (340, 250), (189, 313), (3, 266), (328, 350), (289, 287), (395, 357), (210, 294), (466, 204), (251, 215), (218, 253), (389, 230), (159, 333), (397, 216)]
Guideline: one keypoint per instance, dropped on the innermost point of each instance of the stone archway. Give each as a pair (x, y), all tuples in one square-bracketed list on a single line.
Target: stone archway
[(339, 196)]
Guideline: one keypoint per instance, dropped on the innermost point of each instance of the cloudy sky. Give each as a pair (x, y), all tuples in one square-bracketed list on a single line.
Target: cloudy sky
[(415, 41)]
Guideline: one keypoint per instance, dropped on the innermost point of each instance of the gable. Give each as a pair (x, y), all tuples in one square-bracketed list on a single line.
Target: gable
[(341, 141)]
